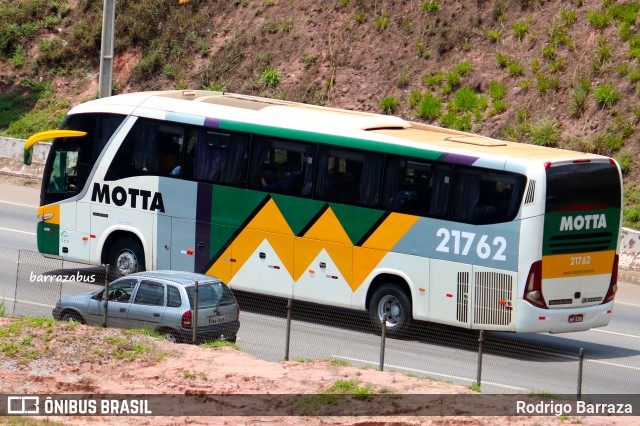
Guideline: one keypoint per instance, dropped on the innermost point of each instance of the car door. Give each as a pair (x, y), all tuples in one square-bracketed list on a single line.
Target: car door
[(148, 305), (120, 293)]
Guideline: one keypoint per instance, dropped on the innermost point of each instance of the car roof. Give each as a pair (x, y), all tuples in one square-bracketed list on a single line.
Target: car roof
[(177, 277)]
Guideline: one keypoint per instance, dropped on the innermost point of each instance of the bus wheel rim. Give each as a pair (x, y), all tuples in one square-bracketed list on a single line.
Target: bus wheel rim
[(390, 305), (126, 262)]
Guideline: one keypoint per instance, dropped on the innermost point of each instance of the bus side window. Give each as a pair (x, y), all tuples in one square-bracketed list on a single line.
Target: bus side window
[(216, 157), (349, 177), (151, 148), (485, 197), (407, 186), (282, 167)]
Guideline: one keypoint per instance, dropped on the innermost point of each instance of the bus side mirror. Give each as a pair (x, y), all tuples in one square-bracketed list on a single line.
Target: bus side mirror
[(48, 134)]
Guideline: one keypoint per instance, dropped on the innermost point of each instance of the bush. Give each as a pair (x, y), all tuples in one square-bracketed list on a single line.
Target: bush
[(388, 105), (430, 107), (606, 94), (545, 132), (270, 77), (497, 90), (466, 99)]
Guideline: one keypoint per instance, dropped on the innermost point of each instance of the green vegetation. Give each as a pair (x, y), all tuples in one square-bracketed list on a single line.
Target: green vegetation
[(520, 28), (382, 21), (270, 77), (388, 105), (494, 35), (220, 344), (544, 132), (606, 94), (430, 6), (474, 387), (430, 107)]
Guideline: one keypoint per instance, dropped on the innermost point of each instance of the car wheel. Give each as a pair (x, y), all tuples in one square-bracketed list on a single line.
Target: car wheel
[(125, 257), (172, 336), (392, 300), (231, 339), (72, 317)]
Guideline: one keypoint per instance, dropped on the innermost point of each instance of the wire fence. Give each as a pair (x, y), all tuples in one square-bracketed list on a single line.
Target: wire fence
[(275, 329)]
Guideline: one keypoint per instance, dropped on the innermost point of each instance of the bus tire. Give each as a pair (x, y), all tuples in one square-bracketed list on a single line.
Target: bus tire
[(125, 257), (395, 302)]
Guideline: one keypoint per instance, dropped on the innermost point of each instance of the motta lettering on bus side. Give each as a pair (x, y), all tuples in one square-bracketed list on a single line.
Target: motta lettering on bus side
[(588, 221), (120, 196)]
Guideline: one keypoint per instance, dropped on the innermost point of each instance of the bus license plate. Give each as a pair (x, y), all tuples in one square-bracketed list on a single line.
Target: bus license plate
[(214, 320), (576, 318)]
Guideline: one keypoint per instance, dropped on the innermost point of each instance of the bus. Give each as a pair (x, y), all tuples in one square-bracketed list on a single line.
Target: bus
[(371, 212)]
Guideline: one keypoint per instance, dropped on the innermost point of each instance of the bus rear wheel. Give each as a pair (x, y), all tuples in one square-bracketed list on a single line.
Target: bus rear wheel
[(392, 300), (125, 257)]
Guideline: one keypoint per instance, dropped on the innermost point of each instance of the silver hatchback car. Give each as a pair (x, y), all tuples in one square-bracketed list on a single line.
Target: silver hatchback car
[(162, 301)]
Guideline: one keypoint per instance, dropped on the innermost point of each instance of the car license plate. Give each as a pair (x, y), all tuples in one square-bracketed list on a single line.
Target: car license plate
[(576, 318), (214, 320)]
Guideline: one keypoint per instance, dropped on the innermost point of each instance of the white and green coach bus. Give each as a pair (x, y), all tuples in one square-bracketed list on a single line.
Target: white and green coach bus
[(336, 207)]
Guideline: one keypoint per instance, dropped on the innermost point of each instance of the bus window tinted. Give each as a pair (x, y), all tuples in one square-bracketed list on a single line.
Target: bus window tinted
[(282, 167), (593, 185), (349, 177), (216, 157), (150, 148), (482, 196)]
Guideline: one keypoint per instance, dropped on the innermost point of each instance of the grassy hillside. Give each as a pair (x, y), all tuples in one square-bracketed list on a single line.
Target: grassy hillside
[(555, 73)]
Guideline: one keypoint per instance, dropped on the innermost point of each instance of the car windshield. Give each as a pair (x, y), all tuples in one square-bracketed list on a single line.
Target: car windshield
[(211, 295)]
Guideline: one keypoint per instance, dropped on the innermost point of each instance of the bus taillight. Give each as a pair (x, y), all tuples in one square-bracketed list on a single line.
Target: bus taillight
[(533, 291), (613, 284)]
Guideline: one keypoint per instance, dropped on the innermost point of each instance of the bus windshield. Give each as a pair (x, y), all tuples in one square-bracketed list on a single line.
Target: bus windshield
[(70, 160), (583, 186)]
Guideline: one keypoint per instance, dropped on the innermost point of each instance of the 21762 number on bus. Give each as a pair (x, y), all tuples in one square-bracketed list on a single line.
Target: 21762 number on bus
[(462, 242)]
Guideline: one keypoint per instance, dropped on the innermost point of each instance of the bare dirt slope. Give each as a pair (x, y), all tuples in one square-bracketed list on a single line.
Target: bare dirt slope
[(43, 356)]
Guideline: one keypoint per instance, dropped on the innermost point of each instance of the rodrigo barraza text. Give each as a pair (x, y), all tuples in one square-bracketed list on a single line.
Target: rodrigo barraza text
[(577, 407)]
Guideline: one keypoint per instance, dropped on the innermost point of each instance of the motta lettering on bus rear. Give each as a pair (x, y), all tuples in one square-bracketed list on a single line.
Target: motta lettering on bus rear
[(134, 198), (578, 223)]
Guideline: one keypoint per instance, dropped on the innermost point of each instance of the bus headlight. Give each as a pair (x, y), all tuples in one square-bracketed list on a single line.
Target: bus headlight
[(43, 217)]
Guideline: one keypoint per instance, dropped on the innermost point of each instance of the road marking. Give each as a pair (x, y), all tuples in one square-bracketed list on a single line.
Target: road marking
[(627, 304), (616, 333), (15, 230), (31, 206), (612, 364), (29, 303), (431, 373)]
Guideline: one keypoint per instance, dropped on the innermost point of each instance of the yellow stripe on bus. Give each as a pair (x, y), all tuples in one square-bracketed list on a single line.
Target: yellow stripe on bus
[(577, 264)]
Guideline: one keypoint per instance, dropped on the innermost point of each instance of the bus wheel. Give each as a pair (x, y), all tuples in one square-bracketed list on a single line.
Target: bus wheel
[(125, 257), (392, 300)]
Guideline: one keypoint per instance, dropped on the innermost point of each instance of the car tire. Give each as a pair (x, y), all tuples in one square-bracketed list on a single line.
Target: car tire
[(231, 339), (71, 316), (172, 336), (126, 257), (395, 302)]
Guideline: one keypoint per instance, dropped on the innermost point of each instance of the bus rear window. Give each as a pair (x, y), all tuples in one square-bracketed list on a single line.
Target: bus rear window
[(583, 186)]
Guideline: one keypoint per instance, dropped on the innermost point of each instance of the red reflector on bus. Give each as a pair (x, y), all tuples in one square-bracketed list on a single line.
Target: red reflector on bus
[(542, 318), (190, 251), (609, 311), (509, 308), (449, 295), (92, 236)]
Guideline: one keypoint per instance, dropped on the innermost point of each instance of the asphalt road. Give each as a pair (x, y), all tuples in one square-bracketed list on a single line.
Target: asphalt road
[(510, 364)]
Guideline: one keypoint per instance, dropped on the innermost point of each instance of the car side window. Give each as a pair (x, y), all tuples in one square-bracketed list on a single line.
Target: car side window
[(121, 291), (173, 297), (150, 293)]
